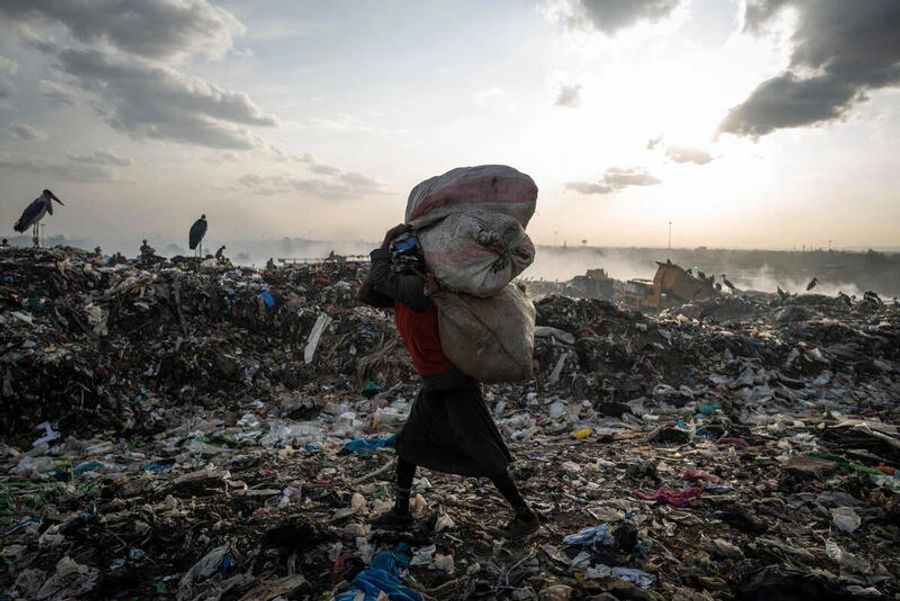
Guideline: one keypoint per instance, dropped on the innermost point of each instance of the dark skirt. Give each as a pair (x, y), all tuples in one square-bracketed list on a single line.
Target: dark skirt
[(452, 431)]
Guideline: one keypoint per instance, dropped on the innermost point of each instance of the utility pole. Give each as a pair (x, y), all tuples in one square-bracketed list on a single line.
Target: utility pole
[(670, 235), (829, 246)]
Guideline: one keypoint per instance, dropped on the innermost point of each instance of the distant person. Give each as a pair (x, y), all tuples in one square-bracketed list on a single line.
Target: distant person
[(4, 244), (270, 264), (147, 251), (220, 254), (449, 429)]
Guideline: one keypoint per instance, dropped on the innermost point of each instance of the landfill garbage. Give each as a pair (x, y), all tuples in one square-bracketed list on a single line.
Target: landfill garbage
[(676, 498), (382, 577), (846, 519), (49, 434), (194, 426), (366, 446), (591, 535), (71, 581)]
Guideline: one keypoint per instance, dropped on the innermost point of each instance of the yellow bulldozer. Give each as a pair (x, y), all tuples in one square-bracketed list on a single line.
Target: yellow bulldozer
[(671, 286)]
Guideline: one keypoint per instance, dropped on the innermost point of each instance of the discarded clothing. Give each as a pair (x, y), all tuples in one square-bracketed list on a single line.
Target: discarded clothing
[(676, 498)]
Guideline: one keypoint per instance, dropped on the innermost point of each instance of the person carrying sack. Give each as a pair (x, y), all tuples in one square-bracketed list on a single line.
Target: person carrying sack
[(449, 428)]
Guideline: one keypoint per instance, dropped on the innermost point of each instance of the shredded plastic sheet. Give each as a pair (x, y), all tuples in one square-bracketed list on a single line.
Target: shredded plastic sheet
[(314, 336)]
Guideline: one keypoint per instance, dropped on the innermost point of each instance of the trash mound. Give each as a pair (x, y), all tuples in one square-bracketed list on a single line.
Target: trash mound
[(178, 432), (98, 347)]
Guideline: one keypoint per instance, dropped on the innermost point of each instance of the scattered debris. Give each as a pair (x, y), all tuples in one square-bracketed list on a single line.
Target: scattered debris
[(225, 433)]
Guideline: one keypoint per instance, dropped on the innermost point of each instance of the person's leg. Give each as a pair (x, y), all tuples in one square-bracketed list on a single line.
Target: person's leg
[(510, 492), (406, 471), (399, 515), (526, 521)]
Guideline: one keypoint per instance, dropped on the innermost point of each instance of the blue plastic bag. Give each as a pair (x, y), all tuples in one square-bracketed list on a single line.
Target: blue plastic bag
[(366, 446), (268, 299)]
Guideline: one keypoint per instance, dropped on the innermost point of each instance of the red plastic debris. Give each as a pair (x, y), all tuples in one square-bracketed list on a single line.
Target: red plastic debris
[(676, 498)]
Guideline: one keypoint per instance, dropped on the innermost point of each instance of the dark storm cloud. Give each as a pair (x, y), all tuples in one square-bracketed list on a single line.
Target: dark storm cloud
[(687, 154), (569, 96), (148, 28), (841, 50), (66, 170), (150, 100), (609, 16), (615, 179)]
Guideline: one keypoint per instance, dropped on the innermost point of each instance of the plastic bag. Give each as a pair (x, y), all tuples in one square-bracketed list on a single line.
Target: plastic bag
[(489, 339)]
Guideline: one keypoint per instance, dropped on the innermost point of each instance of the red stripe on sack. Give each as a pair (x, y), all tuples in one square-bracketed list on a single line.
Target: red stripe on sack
[(484, 189)]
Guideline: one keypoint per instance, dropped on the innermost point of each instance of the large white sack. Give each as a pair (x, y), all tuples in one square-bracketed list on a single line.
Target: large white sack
[(476, 253), (483, 189), (489, 339)]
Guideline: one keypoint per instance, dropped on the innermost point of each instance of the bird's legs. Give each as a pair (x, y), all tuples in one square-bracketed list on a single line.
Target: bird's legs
[(35, 236)]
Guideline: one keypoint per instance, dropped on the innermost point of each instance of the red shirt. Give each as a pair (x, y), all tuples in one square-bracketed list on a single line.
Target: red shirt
[(419, 330)]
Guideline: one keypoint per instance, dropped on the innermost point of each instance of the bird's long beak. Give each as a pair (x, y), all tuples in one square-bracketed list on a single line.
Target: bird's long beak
[(54, 197)]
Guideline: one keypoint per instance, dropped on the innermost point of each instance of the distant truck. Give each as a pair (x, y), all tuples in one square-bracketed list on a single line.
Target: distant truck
[(595, 283), (671, 286)]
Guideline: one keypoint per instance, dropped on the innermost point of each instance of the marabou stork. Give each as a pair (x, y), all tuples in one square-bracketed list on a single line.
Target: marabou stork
[(727, 283), (195, 237), (34, 212), (812, 284)]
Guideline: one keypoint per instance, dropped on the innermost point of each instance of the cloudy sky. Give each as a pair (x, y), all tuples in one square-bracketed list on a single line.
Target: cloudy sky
[(765, 123)]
